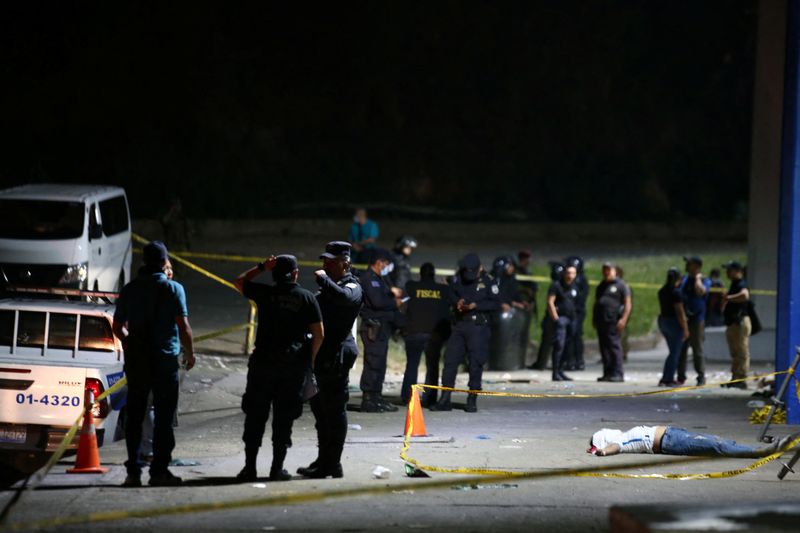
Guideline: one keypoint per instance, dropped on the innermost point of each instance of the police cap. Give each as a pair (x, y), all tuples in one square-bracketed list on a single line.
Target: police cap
[(336, 249), (733, 265)]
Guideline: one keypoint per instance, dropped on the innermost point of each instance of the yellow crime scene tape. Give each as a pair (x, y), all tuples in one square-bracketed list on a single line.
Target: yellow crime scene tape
[(441, 272)]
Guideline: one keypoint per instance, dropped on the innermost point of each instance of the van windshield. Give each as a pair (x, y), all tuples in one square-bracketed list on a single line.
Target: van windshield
[(40, 219)]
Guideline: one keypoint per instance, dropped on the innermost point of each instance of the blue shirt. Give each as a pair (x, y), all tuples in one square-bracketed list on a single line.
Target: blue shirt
[(152, 299), (695, 305), (360, 232)]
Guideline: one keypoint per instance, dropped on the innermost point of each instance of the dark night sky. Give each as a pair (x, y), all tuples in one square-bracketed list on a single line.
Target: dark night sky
[(553, 110)]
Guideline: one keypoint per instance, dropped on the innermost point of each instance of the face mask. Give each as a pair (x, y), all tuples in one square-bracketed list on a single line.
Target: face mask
[(387, 269)]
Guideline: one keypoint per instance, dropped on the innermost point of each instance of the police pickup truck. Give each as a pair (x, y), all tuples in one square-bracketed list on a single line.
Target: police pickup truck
[(51, 352)]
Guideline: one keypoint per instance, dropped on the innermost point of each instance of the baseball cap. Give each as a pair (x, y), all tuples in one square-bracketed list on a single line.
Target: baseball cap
[(693, 259), (608, 264), (335, 249), (284, 264), (471, 261), (154, 253), (733, 265)]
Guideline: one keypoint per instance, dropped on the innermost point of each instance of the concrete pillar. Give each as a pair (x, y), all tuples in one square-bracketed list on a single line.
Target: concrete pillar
[(765, 163), (788, 308)]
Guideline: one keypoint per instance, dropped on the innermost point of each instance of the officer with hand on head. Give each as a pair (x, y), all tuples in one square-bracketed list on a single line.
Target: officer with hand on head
[(340, 299), (290, 333), (403, 248), (474, 297), (379, 315)]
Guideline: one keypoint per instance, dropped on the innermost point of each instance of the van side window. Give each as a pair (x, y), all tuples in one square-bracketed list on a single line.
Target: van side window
[(96, 335), (30, 332), (62, 331), (114, 214), (6, 327)]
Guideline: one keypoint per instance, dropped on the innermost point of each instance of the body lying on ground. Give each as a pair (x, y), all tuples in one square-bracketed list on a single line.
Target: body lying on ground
[(671, 440)]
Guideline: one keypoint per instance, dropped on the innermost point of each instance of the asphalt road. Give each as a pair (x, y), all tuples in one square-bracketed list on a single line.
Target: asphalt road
[(515, 434)]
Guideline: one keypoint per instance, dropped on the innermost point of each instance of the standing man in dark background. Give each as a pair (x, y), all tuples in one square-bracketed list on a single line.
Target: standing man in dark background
[(612, 307), (152, 321), (288, 315), (573, 353), (363, 235), (694, 288), (474, 297), (545, 351), (427, 329), (381, 303), (737, 321), (561, 306), (403, 248), (339, 298)]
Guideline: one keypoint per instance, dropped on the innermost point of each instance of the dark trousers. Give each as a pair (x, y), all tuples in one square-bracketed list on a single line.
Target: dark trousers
[(471, 341), (431, 344), (163, 382), (697, 336), (562, 331), (610, 349), (375, 352), (546, 345), (573, 351), (330, 403), (268, 389)]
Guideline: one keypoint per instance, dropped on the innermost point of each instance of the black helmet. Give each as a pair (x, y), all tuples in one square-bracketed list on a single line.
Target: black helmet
[(574, 261), (403, 241), (500, 264), (556, 269)]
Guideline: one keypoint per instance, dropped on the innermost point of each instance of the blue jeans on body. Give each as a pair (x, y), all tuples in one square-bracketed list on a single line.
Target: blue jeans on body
[(671, 330), (678, 441)]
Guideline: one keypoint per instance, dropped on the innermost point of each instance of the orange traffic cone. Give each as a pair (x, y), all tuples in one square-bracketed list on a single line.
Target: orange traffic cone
[(88, 460), (414, 421)]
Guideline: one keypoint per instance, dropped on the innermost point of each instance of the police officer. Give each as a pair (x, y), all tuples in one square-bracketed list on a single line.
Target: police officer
[(427, 329), (561, 306), (340, 299), (573, 355), (381, 302), (401, 273), (546, 345), (612, 307), (474, 297), (288, 316)]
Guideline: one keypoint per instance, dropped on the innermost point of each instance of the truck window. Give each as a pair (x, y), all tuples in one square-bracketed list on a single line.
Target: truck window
[(30, 332), (96, 335), (114, 215), (6, 327), (62, 331), (40, 219)]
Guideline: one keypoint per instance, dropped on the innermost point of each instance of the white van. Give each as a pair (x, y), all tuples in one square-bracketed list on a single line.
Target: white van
[(70, 236), (51, 351)]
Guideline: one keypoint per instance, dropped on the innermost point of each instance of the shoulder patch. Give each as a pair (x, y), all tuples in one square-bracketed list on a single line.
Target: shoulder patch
[(351, 285), (376, 283)]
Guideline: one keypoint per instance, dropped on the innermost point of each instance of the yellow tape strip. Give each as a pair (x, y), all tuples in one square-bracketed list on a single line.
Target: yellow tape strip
[(441, 272), (319, 495), (73, 430), (221, 332)]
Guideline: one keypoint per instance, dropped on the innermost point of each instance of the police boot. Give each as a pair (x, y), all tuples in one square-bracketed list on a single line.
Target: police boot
[(385, 405), (444, 403), (370, 404), (304, 470), (248, 473), (428, 398), (472, 403), (277, 472)]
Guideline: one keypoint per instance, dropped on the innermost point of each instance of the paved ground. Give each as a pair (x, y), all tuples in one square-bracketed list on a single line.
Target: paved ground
[(507, 433)]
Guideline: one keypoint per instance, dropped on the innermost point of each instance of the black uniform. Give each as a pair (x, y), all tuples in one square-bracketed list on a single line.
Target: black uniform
[(378, 317), (564, 327), (609, 304), (340, 303), (277, 367), (401, 274), (427, 328), (573, 355), (470, 335)]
